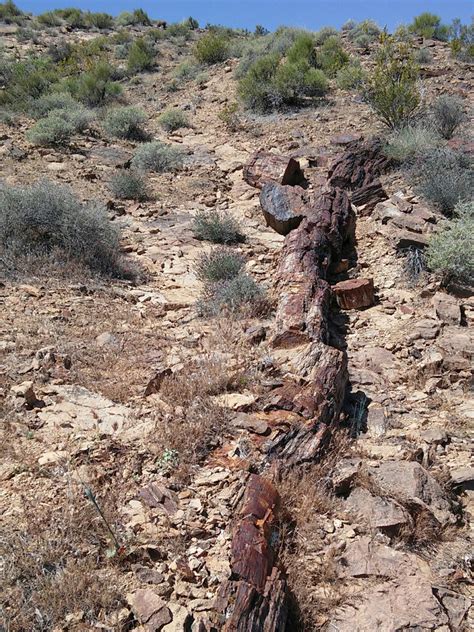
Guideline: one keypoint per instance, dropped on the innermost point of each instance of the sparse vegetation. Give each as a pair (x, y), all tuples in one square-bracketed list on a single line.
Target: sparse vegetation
[(451, 250), (392, 89), (157, 156), (52, 130), (423, 56), (351, 76), (445, 177), (9, 12), (428, 25), (407, 143), (137, 16), (173, 119), (212, 48), (364, 34), (95, 87), (217, 227), (239, 294), (141, 56), (128, 184), (48, 220), (220, 264), (448, 115), (126, 122)]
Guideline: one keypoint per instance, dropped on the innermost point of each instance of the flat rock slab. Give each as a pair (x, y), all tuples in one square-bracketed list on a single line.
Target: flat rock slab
[(110, 156), (78, 409)]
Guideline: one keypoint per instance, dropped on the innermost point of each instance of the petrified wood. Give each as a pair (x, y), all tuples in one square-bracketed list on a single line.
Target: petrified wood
[(283, 207), (266, 167)]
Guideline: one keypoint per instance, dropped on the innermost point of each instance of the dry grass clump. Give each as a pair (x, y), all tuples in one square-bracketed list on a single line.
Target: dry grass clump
[(55, 566)]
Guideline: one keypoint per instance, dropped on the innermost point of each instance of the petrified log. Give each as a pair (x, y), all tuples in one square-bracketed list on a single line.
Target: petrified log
[(283, 207), (266, 167), (354, 293), (302, 312), (358, 166), (254, 598), (369, 194)]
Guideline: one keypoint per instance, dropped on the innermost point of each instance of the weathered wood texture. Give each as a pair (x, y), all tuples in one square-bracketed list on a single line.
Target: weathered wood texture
[(283, 207), (266, 167)]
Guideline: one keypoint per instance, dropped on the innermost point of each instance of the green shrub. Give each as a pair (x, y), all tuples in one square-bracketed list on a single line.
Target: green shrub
[(76, 18), (52, 130), (178, 29), (349, 25), (448, 115), (331, 57), (451, 250), (48, 220), (26, 35), (26, 81), (7, 117), (95, 87), (217, 227), (157, 156), (406, 144), (141, 56), (392, 90), (403, 34), (364, 33), (173, 119), (351, 76), (9, 10), (128, 184), (229, 116), (240, 294), (53, 101), (186, 71), (302, 50), (220, 264), (60, 51), (321, 36), (423, 56), (429, 25), (445, 177), (138, 16), (257, 89), (49, 18), (192, 23), (462, 40), (211, 49), (126, 122), (100, 20)]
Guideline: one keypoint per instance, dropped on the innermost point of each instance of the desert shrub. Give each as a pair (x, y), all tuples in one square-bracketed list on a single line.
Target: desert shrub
[(178, 29), (53, 101), (192, 23), (49, 18), (141, 56), (100, 20), (403, 34), (128, 184), (9, 11), (173, 119), (211, 49), (448, 114), (324, 34), (462, 40), (331, 57), (392, 89), (451, 250), (302, 50), (445, 177), (125, 122), (52, 130), (7, 117), (186, 70), (238, 294), (364, 33), (407, 143), (217, 227), (60, 51), (59, 125), (138, 16), (157, 156), (229, 116), (423, 56), (429, 25), (76, 18), (47, 219), (26, 35), (26, 81), (349, 25), (95, 87), (220, 264), (351, 76)]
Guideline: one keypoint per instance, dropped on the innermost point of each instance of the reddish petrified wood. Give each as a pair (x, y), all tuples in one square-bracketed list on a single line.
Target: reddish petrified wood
[(266, 167), (254, 598), (354, 293), (283, 207)]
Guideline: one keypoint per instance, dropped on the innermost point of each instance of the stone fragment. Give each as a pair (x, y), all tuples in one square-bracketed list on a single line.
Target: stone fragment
[(380, 513), (26, 391), (251, 423), (447, 308), (149, 608), (268, 167), (354, 293), (403, 239), (159, 497), (283, 207)]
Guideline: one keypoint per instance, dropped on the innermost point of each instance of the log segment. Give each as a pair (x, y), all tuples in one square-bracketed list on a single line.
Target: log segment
[(266, 167)]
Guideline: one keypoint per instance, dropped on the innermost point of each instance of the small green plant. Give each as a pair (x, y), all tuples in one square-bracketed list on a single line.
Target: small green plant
[(451, 250), (99, 20), (95, 87), (138, 16), (331, 57), (393, 90), (211, 49), (52, 130), (428, 25), (126, 122), (220, 264), (240, 294), (423, 56), (49, 18), (141, 56), (352, 76), (217, 227), (168, 460), (229, 116), (448, 115), (321, 36), (44, 219), (406, 144), (128, 184), (445, 177), (173, 119), (186, 71), (157, 156), (9, 11), (53, 101), (364, 34)]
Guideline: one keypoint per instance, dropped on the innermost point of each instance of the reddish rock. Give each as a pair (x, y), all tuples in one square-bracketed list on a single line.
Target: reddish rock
[(283, 207), (266, 167), (354, 293)]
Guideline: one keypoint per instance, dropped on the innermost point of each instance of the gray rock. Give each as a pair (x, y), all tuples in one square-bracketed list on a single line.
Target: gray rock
[(379, 513)]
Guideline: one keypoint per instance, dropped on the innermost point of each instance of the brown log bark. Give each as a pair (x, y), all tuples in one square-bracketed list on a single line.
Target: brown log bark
[(266, 167)]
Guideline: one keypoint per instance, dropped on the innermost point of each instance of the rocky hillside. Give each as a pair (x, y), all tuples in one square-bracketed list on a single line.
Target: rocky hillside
[(234, 375)]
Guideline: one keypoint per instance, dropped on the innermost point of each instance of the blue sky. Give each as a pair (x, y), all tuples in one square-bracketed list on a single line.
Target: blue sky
[(310, 14)]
